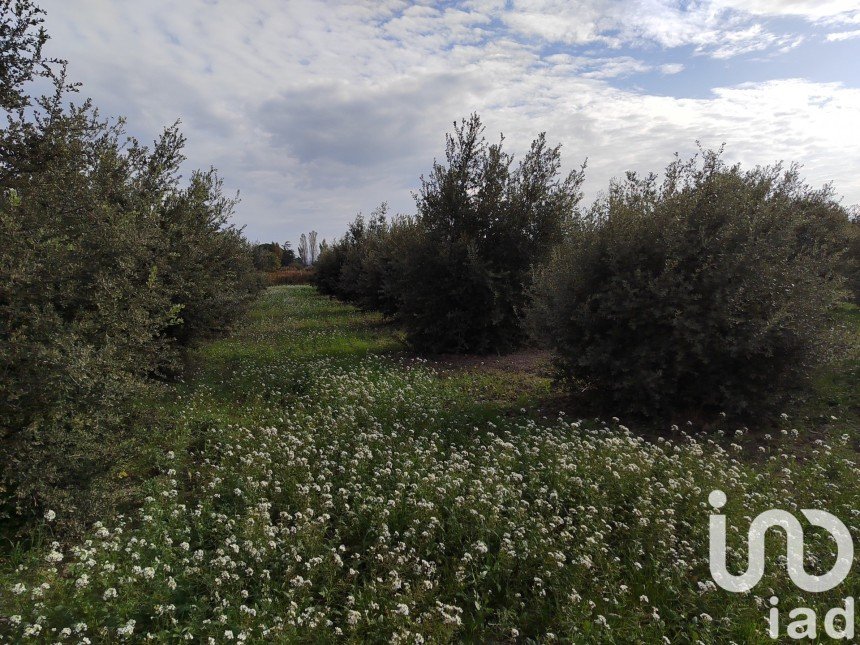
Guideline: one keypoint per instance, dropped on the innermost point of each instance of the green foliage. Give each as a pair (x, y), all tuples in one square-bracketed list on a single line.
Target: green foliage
[(267, 257), (451, 300), (22, 37), (361, 268), (288, 256), (381, 284), (457, 275), (852, 261), (108, 264), (272, 256), (482, 226), (332, 260), (206, 264), (319, 488), (355, 244), (711, 291)]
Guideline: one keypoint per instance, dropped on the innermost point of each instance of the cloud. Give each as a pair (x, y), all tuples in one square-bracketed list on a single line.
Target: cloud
[(808, 9), (718, 28), (843, 35), (340, 124), (598, 67), (317, 110)]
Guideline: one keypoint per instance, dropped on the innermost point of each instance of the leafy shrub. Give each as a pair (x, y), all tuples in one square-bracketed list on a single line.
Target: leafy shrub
[(272, 256), (265, 258), (353, 246), (381, 285), (205, 263), (456, 275), (481, 227), (330, 264), (450, 299), (83, 311), (852, 262), (290, 275), (360, 267), (107, 265), (710, 291)]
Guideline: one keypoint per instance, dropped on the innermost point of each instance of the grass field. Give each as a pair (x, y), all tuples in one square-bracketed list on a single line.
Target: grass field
[(317, 483)]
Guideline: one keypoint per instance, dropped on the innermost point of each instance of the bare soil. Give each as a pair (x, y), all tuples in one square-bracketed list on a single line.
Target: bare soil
[(533, 362)]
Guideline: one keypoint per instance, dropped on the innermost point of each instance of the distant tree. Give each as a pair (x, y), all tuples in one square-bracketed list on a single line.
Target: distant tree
[(277, 251), (312, 244), (303, 250), (288, 256), (267, 257)]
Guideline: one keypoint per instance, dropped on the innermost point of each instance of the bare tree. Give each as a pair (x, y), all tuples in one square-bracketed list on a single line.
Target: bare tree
[(303, 249), (312, 243)]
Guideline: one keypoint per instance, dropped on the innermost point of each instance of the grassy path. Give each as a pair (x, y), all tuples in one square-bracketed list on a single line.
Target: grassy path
[(319, 485)]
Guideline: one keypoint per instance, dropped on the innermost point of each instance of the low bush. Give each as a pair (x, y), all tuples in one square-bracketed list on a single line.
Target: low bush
[(328, 267), (361, 267), (290, 275), (852, 262), (711, 291), (384, 501)]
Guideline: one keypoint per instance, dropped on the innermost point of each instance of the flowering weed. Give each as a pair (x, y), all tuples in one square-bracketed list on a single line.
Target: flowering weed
[(326, 489)]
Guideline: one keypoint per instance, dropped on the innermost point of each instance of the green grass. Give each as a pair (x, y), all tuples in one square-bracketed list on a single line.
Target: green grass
[(836, 388), (327, 486)]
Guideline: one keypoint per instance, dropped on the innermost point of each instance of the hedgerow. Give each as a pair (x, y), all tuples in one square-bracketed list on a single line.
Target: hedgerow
[(109, 266), (457, 275)]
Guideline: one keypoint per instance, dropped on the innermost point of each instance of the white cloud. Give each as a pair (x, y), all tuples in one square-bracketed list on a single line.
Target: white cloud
[(718, 28), (843, 35), (598, 67), (317, 111), (809, 9)]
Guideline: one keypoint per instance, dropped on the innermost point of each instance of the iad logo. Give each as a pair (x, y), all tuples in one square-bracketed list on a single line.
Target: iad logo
[(794, 532), (775, 518)]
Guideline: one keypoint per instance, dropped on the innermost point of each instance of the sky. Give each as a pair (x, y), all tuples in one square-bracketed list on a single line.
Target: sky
[(315, 111)]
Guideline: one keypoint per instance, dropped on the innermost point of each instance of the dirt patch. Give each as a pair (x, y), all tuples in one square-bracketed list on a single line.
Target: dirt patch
[(536, 362)]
